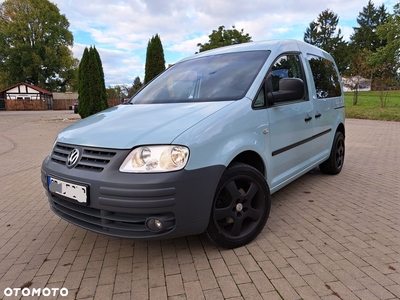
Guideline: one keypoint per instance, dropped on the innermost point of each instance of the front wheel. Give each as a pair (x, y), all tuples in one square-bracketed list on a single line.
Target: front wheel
[(241, 206), (334, 164)]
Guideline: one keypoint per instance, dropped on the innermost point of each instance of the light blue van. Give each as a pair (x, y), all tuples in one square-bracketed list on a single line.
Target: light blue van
[(202, 146)]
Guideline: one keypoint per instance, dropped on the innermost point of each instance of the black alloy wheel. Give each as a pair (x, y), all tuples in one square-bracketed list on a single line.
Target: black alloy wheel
[(241, 206), (334, 164)]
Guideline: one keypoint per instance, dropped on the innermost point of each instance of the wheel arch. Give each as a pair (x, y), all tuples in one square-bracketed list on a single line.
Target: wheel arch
[(341, 129), (250, 158)]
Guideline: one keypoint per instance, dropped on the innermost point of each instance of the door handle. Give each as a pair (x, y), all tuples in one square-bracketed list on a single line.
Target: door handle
[(308, 118), (317, 115)]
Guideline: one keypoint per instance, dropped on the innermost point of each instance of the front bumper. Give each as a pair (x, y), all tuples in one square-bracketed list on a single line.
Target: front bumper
[(121, 204)]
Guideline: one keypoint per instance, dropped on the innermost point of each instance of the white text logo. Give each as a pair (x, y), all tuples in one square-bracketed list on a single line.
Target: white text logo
[(63, 292)]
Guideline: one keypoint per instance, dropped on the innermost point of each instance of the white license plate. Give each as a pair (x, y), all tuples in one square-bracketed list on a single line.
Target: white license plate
[(70, 190)]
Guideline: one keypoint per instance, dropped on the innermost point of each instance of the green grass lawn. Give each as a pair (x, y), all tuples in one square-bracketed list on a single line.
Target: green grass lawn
[(369, 106)]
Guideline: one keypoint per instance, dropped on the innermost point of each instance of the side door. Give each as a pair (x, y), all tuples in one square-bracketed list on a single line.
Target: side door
[(291, 121), (327, 96)]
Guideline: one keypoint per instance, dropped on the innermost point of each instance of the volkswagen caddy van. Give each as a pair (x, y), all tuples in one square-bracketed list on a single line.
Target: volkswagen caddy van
[(203, 146)]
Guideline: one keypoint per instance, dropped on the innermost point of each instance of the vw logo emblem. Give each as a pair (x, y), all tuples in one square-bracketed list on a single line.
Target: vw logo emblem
[(73, 158)]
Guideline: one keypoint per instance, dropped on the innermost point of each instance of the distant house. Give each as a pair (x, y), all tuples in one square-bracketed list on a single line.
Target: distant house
[(24, 96), (356, 82)]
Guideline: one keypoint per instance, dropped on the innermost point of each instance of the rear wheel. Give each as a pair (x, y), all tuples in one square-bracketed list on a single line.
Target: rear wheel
[(334, 164), (241, 206)]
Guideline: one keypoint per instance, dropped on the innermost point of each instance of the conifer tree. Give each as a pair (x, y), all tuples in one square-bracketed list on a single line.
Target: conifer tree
[(155, 61), (365, 35), (92, 90), (101, 104), (325, 34), (366, 44), (136, 85), (83, 91)]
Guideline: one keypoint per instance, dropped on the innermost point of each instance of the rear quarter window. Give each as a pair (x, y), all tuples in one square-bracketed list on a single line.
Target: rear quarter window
[(326, 78)]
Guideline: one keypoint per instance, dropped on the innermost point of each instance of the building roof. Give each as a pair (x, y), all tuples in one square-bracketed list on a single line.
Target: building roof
[(65, 96), (40, 90)]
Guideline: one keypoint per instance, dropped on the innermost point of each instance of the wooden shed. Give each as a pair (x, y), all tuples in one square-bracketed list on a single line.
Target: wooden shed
[(24, 96), (64, 101)]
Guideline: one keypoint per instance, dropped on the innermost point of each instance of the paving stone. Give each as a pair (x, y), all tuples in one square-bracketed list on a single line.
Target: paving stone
[(328, 237)]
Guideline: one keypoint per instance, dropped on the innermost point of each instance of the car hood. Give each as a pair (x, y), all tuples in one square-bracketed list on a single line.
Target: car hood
[(126, 126)]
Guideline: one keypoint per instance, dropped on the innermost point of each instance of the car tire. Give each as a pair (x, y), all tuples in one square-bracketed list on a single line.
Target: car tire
[(334, 164), (241, 207)]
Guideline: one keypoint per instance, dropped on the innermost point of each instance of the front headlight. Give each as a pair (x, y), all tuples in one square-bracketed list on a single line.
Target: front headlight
[(154, 159)]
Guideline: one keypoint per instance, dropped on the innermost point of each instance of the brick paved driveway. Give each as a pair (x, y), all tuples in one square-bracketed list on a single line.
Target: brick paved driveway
[(328, 237)]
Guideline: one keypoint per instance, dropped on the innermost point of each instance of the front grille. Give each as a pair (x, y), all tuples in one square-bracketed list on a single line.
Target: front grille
[(103, 221), (60, 153), (92, 159)]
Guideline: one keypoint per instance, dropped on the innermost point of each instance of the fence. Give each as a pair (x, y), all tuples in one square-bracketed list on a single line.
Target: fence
[(25, 104), (57, 104), (63, 104)]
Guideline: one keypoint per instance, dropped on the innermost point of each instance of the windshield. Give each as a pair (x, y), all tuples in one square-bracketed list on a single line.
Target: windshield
[(212, 78)]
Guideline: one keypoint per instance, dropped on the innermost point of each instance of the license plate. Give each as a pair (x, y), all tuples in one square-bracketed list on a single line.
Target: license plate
[(70, 190)]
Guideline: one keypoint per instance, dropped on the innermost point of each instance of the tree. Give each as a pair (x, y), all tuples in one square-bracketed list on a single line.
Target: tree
[(364, 42), (3, 80), (136, 86), (114, 92), (92, 89), (386, 60), (222, 37), (324, 34), (359, 68), (99, 82), (365, 36), (390, 31), (124, 91), (35, 44), (155, 61)]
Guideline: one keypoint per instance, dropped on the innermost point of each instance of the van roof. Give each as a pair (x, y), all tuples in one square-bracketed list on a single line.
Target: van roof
[(282, 45)]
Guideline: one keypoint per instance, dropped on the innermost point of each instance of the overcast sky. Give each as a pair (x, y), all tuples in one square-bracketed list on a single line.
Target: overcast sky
[(121, 30)]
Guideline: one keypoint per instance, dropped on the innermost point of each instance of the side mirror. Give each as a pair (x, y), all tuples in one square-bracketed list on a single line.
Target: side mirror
[(289, 89)]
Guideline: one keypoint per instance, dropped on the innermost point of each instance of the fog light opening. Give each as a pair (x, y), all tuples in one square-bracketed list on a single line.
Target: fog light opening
[(154, 224)]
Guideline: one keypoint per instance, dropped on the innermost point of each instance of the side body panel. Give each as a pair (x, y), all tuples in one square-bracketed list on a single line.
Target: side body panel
[(290, 136)]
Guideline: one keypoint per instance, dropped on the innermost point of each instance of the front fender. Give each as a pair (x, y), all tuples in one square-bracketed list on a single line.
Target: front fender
[(218, 139)]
